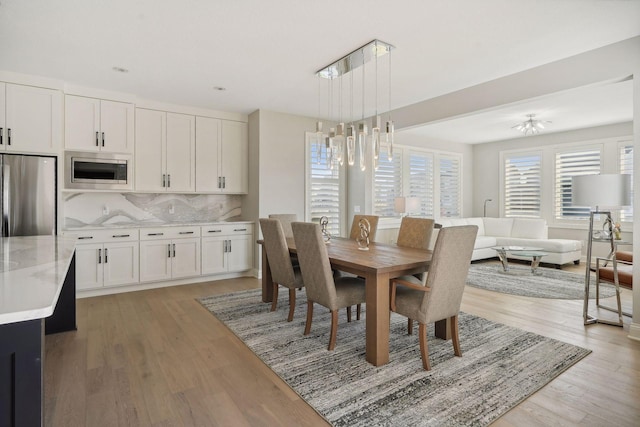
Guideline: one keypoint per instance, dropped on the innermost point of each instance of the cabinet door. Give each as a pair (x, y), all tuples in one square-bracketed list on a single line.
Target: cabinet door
[(150, 145), (207, 149), (240, 255), (181, 156), (89, 266), (116, 124), (81, 123), (121, 263), (213, 255), (186, 258), (155, 260), (235, 157), (34, 117)]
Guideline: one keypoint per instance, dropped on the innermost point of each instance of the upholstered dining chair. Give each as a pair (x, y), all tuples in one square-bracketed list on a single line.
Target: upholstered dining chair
[(319, 281), (355, 226), (440, 297), (285, 222), (282, 269)]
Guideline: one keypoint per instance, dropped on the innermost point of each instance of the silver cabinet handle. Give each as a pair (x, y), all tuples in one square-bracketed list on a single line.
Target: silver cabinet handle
[(174, 250), (168, 250), (85, 237), (121, 235), (214, 231), (230, 246), (239, 229), (224, 182), (219, 182), (8, 136), (164, 180), (155, 234), (186, 232), (0, 136), (97, 139), (99, 256), (103, 139), (106, 255), (168, 180)]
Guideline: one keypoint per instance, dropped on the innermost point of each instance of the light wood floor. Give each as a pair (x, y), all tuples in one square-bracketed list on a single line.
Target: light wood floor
[(157, 358)]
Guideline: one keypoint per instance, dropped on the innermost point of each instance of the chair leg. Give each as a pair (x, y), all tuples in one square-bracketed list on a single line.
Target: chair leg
[(274, 304), (424, 349), (292, 304), (455, 339), (349, 314), (358, 310), (410, 326), (334, 329), (307, 327)]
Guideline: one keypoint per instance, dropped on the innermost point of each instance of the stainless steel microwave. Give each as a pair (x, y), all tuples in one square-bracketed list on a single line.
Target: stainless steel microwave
[(98, 171)]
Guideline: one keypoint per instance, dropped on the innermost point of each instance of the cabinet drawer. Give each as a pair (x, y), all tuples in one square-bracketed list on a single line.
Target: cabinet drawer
[(106, 236), (227, 230), (169, 233)]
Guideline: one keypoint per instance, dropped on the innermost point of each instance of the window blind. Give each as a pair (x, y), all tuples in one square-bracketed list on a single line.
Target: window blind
[(568, 165), (626, 167), (387, 184), (522, 184), (421, 181), (324, 189), (450, 187)]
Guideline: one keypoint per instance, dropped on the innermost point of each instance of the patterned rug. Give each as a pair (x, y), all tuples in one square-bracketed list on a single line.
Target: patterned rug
[(550, 283), (500, 366)]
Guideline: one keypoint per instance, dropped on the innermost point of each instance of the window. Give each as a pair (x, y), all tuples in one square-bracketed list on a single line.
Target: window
[(570, 164), (421, 181), (626, 167), (325, 187), (387, 184), (450, 186), (522, 185)]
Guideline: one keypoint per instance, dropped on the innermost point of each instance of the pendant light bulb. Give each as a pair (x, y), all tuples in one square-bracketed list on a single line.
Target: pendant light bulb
[(390, 132), (375, 137), (351, 145)]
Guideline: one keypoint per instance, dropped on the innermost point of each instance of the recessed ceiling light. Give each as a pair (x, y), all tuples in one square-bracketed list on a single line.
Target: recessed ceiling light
[(120, 70), (219, 88)]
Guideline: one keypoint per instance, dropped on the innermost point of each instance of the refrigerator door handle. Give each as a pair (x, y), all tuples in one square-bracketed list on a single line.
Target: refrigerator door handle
[(5, 198)]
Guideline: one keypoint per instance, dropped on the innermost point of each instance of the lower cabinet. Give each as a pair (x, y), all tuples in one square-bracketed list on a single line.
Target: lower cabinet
[(227, 248), (112, 262), (173, 258)]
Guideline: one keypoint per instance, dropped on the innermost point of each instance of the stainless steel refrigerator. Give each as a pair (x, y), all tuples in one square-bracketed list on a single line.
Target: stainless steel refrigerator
[(28, 185)]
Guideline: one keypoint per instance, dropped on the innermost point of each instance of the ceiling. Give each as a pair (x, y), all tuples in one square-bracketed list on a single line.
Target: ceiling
[(266, 53)]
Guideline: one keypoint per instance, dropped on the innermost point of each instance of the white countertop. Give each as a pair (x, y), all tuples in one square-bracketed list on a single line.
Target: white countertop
[(153, 225), (32, 272)]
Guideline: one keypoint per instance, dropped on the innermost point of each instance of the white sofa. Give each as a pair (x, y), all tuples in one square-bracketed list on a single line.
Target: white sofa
[(518, 232)]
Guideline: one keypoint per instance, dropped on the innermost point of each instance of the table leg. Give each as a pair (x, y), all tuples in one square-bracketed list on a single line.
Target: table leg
[(502, 255), (377, 318), (267, 279), (534, 263)]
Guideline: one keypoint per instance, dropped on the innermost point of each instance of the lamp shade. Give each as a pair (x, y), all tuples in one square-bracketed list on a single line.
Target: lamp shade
[(607, 190), (407, 204)]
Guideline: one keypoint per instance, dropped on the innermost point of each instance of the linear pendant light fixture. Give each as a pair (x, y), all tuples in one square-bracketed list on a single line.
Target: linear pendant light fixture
[(341, 137)]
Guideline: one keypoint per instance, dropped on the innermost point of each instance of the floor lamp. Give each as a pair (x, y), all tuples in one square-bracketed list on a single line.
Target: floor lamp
[(609, 191)]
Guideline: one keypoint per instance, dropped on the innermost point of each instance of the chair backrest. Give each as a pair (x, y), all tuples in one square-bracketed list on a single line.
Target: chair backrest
[(285, 222), (355, 227), (277, 251), (415, 232), (314, 264), (448, 272)]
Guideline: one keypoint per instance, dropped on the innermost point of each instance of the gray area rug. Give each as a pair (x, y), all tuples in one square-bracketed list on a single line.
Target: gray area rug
[(500, 366), (551, 283)]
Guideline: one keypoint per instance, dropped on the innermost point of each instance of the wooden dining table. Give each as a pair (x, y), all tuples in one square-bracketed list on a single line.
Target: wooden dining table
[(377, 266)]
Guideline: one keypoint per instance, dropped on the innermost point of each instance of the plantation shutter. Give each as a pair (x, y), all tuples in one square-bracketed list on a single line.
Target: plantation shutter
[(421, 181), (450, 187), (522, 185), (387, 184), (568, 165), (626, 167), (324, 191)]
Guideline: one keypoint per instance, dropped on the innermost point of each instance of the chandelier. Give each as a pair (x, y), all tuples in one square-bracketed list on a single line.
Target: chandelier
[(340, 141), (531, 125)]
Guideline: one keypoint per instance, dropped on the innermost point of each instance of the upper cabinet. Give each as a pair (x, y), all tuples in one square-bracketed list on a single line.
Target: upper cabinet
[(98, 125), (165, 151), (222, 160), (30, 119)]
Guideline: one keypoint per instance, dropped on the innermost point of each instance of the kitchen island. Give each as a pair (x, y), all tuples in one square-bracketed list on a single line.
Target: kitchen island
[(37, 296)]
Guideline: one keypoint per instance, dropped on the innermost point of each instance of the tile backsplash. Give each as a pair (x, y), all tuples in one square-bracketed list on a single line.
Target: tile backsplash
[(123, 209)]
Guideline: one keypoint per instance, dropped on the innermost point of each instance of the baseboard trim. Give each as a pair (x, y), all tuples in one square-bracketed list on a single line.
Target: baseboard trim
[(634, 331)]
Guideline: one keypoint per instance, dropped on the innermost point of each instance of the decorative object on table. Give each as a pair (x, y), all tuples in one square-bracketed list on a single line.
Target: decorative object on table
[(354, 233), (502, 366), (363, 238), (605, 190), (324, 223), (406, 205), (617, 231)]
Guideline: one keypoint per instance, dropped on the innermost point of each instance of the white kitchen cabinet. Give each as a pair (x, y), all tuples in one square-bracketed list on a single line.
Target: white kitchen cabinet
[(169, 253), (98, 125), (30, 119), (227, 248), (165, 151), (111, 259), (222, 156)]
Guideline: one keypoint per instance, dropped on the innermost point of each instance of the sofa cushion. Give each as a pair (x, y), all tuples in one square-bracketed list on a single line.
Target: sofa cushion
[(479, 222), (548, 245), (498, 227), (484, 242), (529, 228)]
